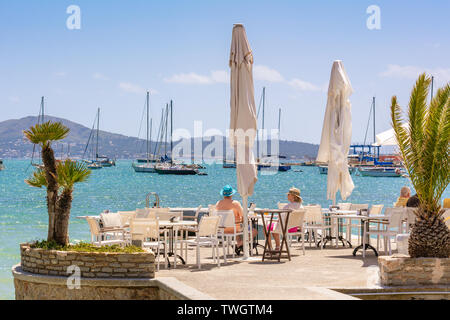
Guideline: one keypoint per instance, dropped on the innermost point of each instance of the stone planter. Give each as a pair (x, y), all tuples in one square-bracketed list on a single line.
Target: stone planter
[(61, 275), (402, 270)]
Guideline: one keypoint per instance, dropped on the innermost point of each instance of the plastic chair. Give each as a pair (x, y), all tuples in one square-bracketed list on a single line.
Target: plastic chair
[(206, 235), (296, 219), (314, 222), (395, 216), (145, 229), (99, 237), (227, 220)]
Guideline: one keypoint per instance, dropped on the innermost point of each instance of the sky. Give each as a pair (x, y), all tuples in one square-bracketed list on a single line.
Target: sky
[(179, 50)]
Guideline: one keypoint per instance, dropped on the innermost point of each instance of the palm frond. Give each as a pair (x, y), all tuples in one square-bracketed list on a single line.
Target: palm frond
[(71, 172), (424, 145), (37, 180), (46, 132)]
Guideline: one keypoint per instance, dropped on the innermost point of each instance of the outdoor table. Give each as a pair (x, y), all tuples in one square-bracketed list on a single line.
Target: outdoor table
[(174, 226), (337, 215), (269, 253), (253, 219), (365, 220)]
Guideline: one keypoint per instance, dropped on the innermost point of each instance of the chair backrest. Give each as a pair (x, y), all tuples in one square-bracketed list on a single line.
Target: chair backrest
[(147, 228), (409, 215), (344, 205), (93, 225), (111, 220), (166, 215), (376, 209), (281, 205), (359, 206), (211, 208), (227, 218), (142, 213), (197, 212), (126, 216), (208, 226), (395, 216), (313, 215), (296, 218)]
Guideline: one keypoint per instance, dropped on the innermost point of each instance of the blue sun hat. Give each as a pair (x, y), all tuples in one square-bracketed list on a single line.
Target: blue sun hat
[(227, 191)]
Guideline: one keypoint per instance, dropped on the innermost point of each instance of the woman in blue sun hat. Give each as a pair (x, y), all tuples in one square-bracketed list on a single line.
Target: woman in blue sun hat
[(227, 203)]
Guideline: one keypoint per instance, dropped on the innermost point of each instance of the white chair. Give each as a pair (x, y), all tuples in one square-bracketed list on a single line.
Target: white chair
[(126, 217), (227, 220), (375, 210), (395, 216), (100, 237), (314, 222), (147, 231), (143, 213), (206, 235), (112, 224), (344, 205), (296, 219), (409, 218)]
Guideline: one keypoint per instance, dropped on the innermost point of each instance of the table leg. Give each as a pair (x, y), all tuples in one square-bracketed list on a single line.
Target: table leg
[(284, 240), (367, 246)]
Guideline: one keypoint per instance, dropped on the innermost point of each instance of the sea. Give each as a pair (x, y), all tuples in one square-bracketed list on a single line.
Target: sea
[(23, 212)]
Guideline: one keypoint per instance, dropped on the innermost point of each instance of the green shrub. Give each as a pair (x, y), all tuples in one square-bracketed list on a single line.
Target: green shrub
[(84, 247)]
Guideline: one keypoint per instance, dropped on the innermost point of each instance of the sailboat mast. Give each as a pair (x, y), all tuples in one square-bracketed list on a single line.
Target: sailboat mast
[(165, 128), (373, 106), (150, 141), (171, 131), (42, 110), (98, 125), (148, 97), (279, 122)]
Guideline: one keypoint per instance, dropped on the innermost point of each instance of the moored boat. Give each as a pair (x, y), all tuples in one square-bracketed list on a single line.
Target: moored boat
[(381, 172), (324, 169)]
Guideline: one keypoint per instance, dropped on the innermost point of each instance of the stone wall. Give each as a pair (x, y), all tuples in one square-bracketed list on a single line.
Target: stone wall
[(401, 270), (30, 286), (91, 264)]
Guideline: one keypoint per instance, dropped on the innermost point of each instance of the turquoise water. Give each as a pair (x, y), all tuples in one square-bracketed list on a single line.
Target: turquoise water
[(23, 215)]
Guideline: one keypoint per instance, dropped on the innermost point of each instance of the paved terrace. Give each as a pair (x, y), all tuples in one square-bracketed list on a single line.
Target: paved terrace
[(306, 276)]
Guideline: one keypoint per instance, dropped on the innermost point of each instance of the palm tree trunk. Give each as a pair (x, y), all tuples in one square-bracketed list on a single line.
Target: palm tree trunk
[(48, 158), (63, 207)]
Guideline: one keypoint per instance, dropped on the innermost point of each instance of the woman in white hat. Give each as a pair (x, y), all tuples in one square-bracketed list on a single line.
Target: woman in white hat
[(295, 203)]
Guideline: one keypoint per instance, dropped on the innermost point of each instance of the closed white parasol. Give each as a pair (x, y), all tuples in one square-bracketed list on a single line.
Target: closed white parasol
[(337, 133), (243, 121)]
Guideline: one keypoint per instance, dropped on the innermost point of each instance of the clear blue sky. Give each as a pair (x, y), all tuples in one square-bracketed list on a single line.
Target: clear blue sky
[(179, 50)]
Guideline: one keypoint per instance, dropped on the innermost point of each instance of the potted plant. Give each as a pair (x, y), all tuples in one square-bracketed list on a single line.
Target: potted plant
[(424, 145), (58, 177)]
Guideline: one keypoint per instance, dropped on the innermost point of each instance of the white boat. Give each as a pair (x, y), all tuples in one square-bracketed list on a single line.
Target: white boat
[(94, 166), (381, 172), (144, 167), (324, 169)]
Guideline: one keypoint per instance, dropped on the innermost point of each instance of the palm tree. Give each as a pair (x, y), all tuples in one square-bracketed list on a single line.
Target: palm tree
[(55, 176), (424, 145)]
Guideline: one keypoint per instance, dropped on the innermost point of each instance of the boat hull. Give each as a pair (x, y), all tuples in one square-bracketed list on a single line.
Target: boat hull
[(324, 169), (380, 173), (144, 168), (176, 171)]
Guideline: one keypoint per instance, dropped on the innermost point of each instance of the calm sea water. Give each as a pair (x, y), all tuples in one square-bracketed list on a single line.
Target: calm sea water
[(23, 215)]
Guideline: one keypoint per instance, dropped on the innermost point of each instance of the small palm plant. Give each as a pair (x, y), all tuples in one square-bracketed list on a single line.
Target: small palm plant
[(58, 177), (424, 144)]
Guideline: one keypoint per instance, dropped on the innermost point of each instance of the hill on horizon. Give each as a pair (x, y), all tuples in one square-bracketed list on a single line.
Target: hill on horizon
[(14, 145)]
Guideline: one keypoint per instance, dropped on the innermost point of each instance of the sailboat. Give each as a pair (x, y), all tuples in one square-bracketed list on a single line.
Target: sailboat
[(266, 162), (168, 167), (146, 165), (97, 162), (40, 121)]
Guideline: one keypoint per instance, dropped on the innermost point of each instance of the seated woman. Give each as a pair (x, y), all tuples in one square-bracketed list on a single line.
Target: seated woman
[(227, 203), (295, 203)]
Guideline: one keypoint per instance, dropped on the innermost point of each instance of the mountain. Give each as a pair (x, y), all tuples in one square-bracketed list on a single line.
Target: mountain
[(14, 145)]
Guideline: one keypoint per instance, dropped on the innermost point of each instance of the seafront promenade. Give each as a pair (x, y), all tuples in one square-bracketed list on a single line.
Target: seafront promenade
[(305, 277)]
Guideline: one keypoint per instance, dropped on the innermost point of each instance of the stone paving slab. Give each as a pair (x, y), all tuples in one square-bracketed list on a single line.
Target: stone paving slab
[(304, 277)]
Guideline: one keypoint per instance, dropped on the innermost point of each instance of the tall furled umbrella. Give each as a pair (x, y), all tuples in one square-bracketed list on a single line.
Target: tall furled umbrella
[(337, 133), (243, 121)]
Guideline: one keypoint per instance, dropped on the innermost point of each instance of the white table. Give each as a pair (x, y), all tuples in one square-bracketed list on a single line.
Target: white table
[(335, 216)]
